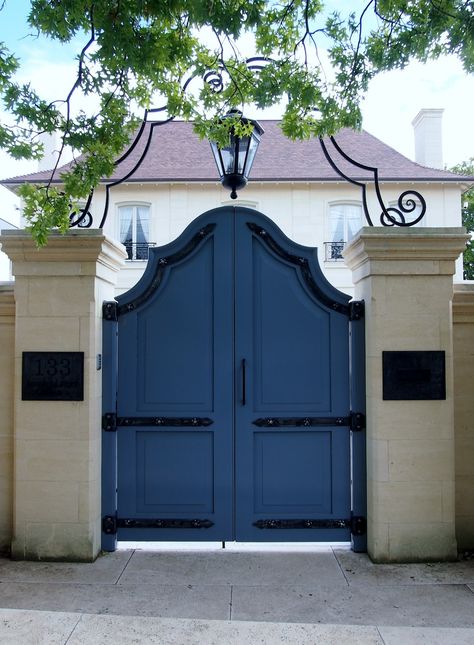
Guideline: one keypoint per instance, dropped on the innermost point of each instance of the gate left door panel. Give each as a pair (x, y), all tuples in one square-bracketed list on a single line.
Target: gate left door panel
[(175, 368)]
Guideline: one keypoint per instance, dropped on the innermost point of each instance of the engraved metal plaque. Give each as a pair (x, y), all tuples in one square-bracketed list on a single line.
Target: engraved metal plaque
[(53, 376), (414, 376)]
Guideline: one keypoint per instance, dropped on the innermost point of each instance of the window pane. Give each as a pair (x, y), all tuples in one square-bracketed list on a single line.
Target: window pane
[(353, 220), (125, 213), (344, 221), (143, 221), (336, 223)]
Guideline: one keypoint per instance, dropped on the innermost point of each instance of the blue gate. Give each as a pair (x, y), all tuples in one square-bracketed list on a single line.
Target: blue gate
[(233, 393)]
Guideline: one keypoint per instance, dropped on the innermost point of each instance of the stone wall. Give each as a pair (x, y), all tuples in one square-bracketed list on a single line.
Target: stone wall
[(463, 335), (405, 279)]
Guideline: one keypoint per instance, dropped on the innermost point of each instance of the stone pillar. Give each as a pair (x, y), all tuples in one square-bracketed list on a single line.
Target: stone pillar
[(59, 290), (7, 344), (405, 278)]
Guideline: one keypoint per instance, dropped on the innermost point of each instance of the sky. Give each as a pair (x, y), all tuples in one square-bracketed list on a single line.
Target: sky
[(391, 103)]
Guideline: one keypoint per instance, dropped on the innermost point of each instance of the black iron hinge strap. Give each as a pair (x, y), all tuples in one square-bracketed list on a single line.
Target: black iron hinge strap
[(176, 422), (110, 524), (357, 524), (110, 422), (355, 421)]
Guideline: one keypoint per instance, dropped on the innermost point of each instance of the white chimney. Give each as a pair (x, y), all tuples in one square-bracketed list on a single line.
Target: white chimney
[(51, 151), (428, 138)]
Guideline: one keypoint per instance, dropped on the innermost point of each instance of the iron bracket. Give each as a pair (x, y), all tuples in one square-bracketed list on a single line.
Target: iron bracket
[(358, 525), (357, 421), (109, 422), (356, 310), (109, 310), (109, 524)]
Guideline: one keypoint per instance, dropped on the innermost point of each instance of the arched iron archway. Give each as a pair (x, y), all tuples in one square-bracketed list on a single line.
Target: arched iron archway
[(407, 202)]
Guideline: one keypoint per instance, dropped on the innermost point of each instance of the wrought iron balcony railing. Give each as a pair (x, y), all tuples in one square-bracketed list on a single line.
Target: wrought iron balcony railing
[(333, 251), (138, 250)]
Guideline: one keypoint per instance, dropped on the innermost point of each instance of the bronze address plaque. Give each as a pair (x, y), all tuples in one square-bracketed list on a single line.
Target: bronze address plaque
[(414, 376), (53, 376)]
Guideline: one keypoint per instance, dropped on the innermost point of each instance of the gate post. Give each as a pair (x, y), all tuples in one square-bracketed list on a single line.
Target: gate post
[(59, 290), (405, 278)]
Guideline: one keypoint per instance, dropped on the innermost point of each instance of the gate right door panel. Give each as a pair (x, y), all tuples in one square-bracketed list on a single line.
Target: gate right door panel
[(293, 373)]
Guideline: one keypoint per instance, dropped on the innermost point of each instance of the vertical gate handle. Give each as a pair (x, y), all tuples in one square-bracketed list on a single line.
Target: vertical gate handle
[(243, 382)]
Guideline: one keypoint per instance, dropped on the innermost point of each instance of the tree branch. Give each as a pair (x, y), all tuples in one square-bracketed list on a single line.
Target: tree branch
[(67, 101)]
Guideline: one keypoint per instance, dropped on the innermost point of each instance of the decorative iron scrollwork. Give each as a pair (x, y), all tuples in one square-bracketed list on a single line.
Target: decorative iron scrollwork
[(404, 206), (82, 218), (214, 78), (303, 266), (163, 264)]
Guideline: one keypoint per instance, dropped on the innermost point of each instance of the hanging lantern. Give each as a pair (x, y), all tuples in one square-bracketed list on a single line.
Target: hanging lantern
[(234, 161)]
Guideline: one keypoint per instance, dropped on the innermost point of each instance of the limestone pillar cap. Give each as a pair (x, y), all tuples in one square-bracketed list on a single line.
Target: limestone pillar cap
[(78, 245), (395, 247)]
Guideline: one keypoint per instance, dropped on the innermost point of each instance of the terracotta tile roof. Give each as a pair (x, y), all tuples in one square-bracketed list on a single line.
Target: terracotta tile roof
[(176, 154)]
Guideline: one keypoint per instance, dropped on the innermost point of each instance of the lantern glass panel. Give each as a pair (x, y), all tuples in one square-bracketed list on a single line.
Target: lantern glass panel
[(243, 147), (228, 157), (254, 141), (217, 157)]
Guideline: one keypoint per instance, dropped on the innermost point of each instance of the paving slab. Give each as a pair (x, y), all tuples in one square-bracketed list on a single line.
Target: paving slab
[(102, 630), (207, 602), (424, 605), (35, 627), (426, 636), (233, 568), (107, 569), (359, 569)]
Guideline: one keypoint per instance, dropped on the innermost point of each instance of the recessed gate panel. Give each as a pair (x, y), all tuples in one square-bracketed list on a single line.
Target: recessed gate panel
[(233, 416)]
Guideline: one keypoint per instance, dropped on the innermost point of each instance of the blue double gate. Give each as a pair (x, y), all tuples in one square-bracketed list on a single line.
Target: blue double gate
[(233, 393)]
